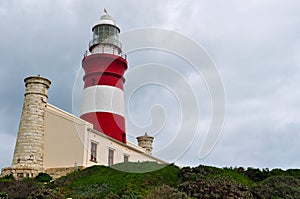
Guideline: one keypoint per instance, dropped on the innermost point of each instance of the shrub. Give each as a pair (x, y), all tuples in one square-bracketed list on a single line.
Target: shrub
[(165, 192), (3, 195), (45, 193), (278, 187), (43, 177), (8, 177), (19, 188)]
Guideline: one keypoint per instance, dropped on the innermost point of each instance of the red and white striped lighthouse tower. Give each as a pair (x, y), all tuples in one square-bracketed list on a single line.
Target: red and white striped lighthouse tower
[(103, 95)]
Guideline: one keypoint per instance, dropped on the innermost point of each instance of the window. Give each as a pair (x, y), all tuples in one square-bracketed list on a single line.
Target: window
[(126, 158), (123, 137), (93, 152), (110, 157)]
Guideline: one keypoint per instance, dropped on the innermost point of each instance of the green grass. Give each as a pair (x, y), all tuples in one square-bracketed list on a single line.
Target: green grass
[(142, 167), (145, 179), (107, 180)]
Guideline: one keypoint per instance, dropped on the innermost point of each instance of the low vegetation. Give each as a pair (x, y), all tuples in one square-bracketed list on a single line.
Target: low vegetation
[(166, 182)]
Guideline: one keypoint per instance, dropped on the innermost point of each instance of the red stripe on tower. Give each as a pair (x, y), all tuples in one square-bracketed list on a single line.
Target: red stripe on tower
[(103, 95)]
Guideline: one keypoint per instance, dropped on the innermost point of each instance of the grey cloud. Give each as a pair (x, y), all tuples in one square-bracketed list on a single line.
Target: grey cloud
[(254, 44)]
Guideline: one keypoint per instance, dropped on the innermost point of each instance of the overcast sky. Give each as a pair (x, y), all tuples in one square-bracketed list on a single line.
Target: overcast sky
[(254, 45)]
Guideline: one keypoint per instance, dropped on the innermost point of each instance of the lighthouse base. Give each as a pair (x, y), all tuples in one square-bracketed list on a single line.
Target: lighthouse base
[(21, 172)]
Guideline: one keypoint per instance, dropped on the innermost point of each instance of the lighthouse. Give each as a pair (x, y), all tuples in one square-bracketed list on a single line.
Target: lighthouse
[(104, 67), (45, 129)]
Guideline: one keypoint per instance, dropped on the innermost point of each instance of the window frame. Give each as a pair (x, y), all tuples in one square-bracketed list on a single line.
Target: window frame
[(126, 158), (110, 156), (93, 152)]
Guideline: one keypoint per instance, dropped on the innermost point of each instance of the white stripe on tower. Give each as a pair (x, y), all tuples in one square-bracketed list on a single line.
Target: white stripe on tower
[(103, 98)]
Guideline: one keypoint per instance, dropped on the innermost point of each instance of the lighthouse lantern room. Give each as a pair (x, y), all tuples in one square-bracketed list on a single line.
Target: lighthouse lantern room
[(105, 36)]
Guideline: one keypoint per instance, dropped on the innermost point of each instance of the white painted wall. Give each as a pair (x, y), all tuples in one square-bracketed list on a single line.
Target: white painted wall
[(65, 136), (105, 143), (68, 141)]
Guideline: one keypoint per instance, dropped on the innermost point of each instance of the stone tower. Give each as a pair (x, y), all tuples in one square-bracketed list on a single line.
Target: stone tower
[(29, 149), (145, 142)]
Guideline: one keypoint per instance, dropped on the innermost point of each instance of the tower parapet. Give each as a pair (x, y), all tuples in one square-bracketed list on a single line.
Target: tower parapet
[(29, 149), (145, 142)]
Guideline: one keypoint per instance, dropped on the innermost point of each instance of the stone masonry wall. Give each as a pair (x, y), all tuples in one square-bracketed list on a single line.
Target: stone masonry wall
[(63, 171), (28, 154)]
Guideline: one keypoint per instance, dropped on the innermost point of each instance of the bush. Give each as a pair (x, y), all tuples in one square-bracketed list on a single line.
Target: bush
[(91, 191), (43, 177), (278, 187), (166, 192), (215, 187), (8, 177), (255, 174), (19, 188), (3, 195), (45, 193)]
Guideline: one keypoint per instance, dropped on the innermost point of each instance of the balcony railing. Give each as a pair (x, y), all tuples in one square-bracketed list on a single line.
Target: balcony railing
[(123, 55)]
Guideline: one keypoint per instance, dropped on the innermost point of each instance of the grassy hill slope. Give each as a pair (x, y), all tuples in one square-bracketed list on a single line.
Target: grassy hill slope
[(168, 181)]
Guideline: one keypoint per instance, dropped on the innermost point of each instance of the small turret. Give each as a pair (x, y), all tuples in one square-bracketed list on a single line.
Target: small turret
[(145, 142)]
